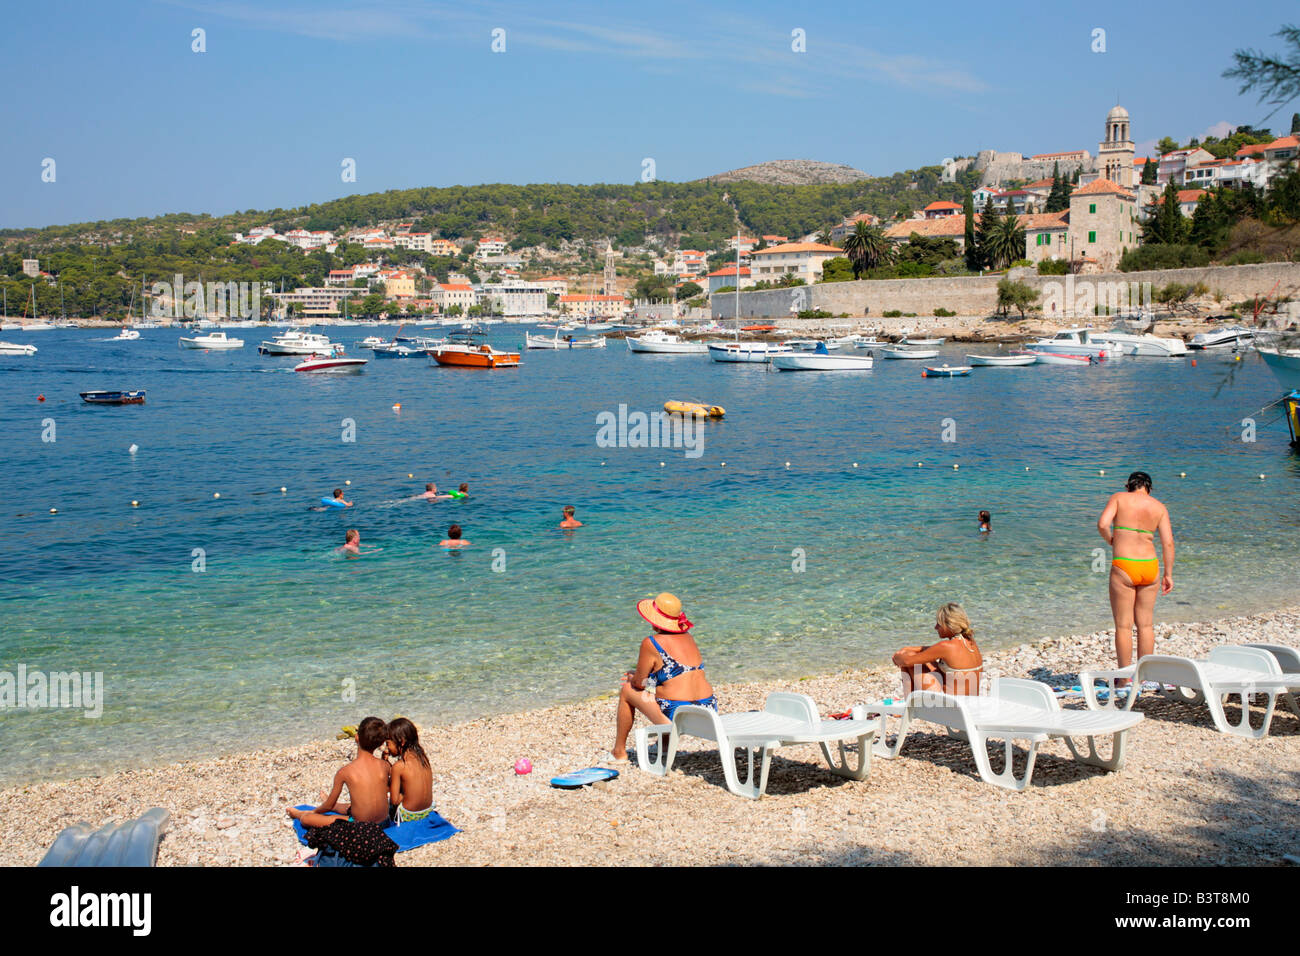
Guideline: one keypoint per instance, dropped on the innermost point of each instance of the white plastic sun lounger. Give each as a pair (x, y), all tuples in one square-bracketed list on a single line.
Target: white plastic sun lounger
[(1024, 710), (786, 720), (1225, 672)]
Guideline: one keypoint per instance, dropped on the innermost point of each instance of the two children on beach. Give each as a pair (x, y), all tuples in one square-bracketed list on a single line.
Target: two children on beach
[(380, 792)]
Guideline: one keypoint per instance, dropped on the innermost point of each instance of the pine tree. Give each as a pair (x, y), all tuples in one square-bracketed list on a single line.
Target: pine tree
[(1295, 124), (1056, 199), (971, 252), (1166, 226), (1149, 169)]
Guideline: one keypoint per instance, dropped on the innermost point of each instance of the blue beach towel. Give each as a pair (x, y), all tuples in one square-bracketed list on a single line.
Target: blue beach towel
[(432, 829)]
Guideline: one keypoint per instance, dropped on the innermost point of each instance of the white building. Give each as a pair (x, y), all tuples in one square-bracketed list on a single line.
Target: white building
[(724, 277), (319, 301), (416, 241), (605, 306), (803, 260), (448, 294), (490, 246), (513, 298)]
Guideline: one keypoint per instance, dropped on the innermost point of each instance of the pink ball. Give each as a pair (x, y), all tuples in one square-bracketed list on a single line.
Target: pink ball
[(523, 765)]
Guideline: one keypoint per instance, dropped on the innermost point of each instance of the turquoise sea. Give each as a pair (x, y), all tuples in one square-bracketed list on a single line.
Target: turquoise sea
[(260, 646)]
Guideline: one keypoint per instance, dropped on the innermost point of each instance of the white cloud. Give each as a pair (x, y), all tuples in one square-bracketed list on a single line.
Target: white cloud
[(1220, 130)]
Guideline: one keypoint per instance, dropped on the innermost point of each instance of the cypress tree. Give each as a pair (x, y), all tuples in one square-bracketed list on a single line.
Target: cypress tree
[(971, 253), (1149, 169), (990, 222)]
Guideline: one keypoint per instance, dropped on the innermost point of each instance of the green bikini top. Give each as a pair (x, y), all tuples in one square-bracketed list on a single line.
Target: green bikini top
[(1120, 527)]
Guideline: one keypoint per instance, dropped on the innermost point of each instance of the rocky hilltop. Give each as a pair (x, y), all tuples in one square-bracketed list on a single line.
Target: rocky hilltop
[(791, 172)]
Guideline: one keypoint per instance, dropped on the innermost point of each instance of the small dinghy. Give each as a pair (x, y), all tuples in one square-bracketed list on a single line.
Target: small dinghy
[(132, 397), (926, 342), (1064, 358), (903, 352), (945, 371), (1001, 361)]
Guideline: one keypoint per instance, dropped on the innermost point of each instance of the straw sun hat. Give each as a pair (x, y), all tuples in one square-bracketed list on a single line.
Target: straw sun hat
[(664, 612)]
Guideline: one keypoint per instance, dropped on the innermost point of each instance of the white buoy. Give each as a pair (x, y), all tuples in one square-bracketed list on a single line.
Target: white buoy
[(724, 465), (602, 464), (347, 482), (133, 449), (1102, 472), (955, 467), (135, 504), (661, 464), (1182, 474), (787, 464), (855, 464), (1261, 476), (216, 494), (1026, 467), (54, 511), (918, 464), (409, 475), (283, 489)]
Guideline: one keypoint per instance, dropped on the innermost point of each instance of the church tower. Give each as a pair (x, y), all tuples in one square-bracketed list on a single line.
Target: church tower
[(1115, 153)]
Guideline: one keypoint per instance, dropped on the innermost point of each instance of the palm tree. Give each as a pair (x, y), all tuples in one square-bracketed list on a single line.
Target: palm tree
[(1006, 242), (824, 237), (866, 248)]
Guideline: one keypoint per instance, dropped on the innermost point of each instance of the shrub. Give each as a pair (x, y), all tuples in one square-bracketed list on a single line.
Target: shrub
[(1244, 257), (943, 314), (814, 314), (892, 314), (1053, 267), (1163, 256)]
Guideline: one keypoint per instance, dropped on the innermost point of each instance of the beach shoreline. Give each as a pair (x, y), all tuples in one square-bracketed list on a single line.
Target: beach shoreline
[(1187, 795)]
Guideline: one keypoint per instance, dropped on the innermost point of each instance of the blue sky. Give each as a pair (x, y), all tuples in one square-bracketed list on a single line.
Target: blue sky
[(140, 124)]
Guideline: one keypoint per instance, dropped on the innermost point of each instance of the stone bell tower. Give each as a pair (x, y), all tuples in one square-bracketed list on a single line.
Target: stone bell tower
[(1115, 152)]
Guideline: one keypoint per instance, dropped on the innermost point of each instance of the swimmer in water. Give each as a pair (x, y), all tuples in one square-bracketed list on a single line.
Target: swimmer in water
[(986, 522), (464, 489), (338, 496), (431, 493), (352, 542), (453, 539), (569, 520)]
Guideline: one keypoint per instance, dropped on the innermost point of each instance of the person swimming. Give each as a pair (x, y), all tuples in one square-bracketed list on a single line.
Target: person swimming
[(951, 665), (1135, 577), (431, 493), (352, 542), (410, 788), (338, 496), (569, 520), (986, 522), (453, 539)]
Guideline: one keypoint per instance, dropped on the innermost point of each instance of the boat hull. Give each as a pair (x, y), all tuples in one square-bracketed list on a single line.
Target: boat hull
[(130, 397), (904, 353), (666, 348), (211, 344), (336, 366), (484, 357), (9, 348), (806, 362), (946, 371), (753, 353), (1001, 361), (1283, 363), (1062, 358)]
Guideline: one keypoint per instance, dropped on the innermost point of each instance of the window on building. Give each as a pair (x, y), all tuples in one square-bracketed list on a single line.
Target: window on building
[(1092, 207), (1092, 237)]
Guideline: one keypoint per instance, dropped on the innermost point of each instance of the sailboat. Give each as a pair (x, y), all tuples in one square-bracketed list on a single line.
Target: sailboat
[(738, 351)]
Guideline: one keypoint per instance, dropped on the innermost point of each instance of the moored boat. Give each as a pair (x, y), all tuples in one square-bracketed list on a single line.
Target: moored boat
[(393, 350), (13, 348), (558, 341), (1001, 361), (331, 362), (295, 342), (1076, 341), (906, 352), (1142, 344), (108, 397), (213, 340), (125, 335), (945, 371), (922, 341), (659, 342), (747, 351), (823, 362), (1232, 337), (1284, 363), (1064, 358), (468, 350)]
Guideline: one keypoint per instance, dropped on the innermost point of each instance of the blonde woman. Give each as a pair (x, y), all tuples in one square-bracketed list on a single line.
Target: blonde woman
[(951, 665)]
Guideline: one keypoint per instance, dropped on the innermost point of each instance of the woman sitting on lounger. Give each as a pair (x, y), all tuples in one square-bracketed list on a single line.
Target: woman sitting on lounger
[(670, 657), (952, 665)]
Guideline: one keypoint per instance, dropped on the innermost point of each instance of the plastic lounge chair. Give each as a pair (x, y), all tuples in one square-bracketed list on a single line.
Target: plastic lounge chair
[(1288, 658), (1226, 671), (785, 720), (1025, 710), (130, 843)]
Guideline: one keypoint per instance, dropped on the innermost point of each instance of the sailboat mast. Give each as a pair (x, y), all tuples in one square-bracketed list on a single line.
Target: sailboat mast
[(737, 308)]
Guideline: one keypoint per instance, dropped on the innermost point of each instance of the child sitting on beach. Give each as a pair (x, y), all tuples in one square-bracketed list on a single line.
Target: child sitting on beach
[(952, 665), (569, 520), (410, 788), (366, 778), (453, 539)]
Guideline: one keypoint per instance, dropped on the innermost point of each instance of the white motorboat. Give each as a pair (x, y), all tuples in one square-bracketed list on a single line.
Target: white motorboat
[(1001, 361), (810, 345), (370, 342), (1284, 363), (925, 342), (295, 342), (558, 341), (822, 362), (843, 340), (1077, 341), (13, 348), (213, 340), (905, 352), (869, 342), (1141, 344), (125, 335), (1232, 337), (1065, 358), (747, 351), (332, 362), (659, 342)]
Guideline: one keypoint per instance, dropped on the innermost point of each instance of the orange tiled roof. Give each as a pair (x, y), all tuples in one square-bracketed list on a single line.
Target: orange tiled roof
[(1041, 221), (1101, 187), (797, 247), (945, 227), (942, 204)]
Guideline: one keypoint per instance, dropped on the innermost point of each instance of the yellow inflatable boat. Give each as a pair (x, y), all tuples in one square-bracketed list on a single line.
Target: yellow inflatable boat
[(697, 409)]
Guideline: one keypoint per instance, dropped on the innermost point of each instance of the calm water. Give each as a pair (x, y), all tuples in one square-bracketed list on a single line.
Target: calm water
[(257, 649)]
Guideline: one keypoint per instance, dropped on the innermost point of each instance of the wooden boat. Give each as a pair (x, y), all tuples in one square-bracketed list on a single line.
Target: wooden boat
[(561, 342), (468, 350), (697, 409), (659, 342), (1064, 358), (1001, 361), (746, 351), (945, 371), (758, 328), (130, 397)]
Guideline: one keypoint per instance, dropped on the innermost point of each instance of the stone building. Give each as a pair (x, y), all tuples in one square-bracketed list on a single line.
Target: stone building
[(1103, 225)]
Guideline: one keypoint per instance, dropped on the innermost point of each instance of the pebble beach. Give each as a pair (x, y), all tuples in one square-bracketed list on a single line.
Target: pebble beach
[(1187, 796)]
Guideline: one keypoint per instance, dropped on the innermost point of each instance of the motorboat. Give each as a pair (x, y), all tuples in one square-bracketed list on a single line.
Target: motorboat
[(333, 361), (842, 340), (945, 371), (1141, 343), (561, 342), (922, 341), (823, 361), (1001, 361), (869, 342), (13, 348), (747, 351), (1064, 358), (125, 335), (213, 340), (1077, 341), (810, 345), (660, 342), (394, 350), (1232, 337), (468, 350), (906, 352), (296, 342), (1283, 362), (370, 341), (129, 397)]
